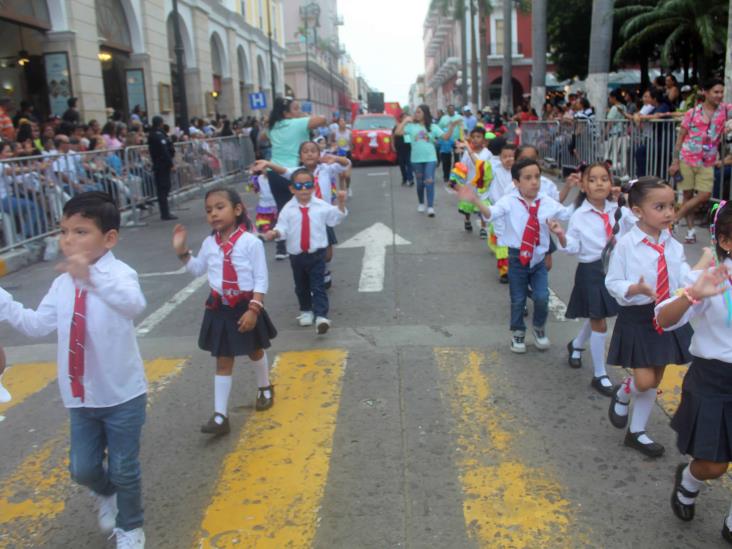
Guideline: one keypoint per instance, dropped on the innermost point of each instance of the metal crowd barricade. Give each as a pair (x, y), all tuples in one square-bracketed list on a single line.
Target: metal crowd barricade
[(33, 190)]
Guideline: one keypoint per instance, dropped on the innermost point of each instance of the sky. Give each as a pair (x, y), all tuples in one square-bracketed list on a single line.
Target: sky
[(384, 38)]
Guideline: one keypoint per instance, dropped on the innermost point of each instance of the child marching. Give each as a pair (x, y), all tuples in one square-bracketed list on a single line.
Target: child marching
[(502, 184), (527, 215), (477, 158), (588, 235), (646, 266), (92, 307), (235, 322), (303, 223), (701, 423)]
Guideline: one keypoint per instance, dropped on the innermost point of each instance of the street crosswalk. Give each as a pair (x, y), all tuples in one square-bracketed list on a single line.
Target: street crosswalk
[(270, 486)]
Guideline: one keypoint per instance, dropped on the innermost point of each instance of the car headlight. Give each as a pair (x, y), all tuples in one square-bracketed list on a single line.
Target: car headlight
[(359, 140), (387, 140)]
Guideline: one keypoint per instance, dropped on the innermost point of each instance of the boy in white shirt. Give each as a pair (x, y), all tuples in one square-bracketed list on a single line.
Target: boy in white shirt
[(502, 184), (100, 372), (527, 215), (303, 224)]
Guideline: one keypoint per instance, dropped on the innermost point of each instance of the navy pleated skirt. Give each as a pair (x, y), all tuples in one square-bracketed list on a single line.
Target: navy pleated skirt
[(703, 421), (636, 343), (590, 298), (220, 334)]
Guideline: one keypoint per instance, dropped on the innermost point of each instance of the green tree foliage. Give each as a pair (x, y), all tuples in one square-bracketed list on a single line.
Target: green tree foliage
[(568, 36)]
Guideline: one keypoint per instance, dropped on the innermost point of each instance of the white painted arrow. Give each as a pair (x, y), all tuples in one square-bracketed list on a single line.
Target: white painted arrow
[(375, 239)]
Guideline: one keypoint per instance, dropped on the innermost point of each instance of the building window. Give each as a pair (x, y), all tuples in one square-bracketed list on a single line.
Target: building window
[(498, 36)]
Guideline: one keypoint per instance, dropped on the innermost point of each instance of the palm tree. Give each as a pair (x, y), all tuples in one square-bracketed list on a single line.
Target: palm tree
[(538, 40), (690, 30), (601, 37), (507, 69), (484, 11)]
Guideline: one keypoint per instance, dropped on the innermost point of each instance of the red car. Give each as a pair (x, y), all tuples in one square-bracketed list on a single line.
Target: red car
[(371, 138)]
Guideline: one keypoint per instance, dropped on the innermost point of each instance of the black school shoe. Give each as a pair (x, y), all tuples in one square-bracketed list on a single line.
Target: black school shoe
[(617, 420), (468, 227), (503, 279), (574, 362), (682, 510), (213, 428), (652, 450), (264, 403), (604, 390), (726, 534)]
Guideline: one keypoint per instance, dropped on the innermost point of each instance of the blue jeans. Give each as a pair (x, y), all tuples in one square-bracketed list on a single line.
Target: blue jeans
[(405, 165), (117, 430), (24, 210), (424, 174), (520, 278), (308, 271)]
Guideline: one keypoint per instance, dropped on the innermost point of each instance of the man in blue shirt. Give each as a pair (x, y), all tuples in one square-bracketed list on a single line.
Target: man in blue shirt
[(469, 119)]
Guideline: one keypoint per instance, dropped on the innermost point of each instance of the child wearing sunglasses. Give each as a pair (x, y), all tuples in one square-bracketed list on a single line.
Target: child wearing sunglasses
[(303, 224)]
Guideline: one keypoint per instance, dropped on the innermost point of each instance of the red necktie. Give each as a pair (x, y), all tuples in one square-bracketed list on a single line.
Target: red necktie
[(229, 279), (305, 230), (606, 221), (318, 190), (662, 286), (77, 336), (531, 233)]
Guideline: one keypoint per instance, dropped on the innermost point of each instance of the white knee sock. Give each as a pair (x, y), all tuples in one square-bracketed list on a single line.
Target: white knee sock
[(627, 388), (261, 369), (642, 408), (222, 389), (729, 518), (580, 341), (691, 483), (597, 348)]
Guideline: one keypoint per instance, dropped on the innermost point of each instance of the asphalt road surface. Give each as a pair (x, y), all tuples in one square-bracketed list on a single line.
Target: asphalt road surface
[(410, 424)]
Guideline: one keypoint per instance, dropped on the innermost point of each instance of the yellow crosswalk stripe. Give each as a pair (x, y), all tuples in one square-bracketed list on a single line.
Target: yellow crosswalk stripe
[(270, 488), (507, 502), (24, 380), (36, 491)]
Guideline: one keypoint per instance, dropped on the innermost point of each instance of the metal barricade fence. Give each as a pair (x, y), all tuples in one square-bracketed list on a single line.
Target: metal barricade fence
[(33, 190)]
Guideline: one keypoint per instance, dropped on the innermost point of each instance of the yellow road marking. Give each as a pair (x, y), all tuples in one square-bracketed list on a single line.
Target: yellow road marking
[(269, 490), (507, 502), (36, 491), (24, 380)]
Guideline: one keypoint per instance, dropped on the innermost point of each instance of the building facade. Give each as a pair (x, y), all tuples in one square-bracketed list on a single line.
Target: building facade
[(313, 66), (118, 54), (443, 43)]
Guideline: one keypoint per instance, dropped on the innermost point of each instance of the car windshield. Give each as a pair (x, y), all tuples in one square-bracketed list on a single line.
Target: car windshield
[(374, 123)]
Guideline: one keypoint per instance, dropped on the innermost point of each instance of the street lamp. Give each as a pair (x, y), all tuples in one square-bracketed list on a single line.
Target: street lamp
[(311, 10)]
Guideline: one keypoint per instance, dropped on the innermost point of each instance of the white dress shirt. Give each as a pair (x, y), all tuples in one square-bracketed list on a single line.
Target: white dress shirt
[(586, 236), (502, 183), (321, 214), (265, 197), (247, 257), (712, 337), (113, 369), (632, 259), (513, 213), (326, 177)]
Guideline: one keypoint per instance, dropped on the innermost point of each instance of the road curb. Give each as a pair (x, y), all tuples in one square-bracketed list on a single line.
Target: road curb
[(31, 253)]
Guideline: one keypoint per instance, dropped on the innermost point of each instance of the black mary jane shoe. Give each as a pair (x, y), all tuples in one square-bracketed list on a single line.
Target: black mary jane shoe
[(213, 428), (616, 419), (726, 534), (573, 362), (604, 390), (652, 450), (683, 511), (263, 403)]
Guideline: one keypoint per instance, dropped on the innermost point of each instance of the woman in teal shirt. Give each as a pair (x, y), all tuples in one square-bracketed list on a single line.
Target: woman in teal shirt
[(424, 134)]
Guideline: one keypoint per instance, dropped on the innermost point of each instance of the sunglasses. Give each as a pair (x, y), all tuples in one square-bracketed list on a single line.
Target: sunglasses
[(305, 185)]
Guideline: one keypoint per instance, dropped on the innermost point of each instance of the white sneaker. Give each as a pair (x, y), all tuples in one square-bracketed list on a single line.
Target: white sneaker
[(106, 512), (540, 340), (281, 256), (350, 192), (306, 318), (431, 212), (420, 208), (321, 325), (517, 342), (130, 539)]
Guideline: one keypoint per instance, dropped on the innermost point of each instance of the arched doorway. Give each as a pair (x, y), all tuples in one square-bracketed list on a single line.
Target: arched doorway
[(217, 69), (114, 53), (187, 62), (261, 74), (244, 78), (494, 91)]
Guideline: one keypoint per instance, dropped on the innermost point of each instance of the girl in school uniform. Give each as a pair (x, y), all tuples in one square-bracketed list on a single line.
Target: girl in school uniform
[(702, 421), (326, 170), (235, 322), (589, 232), (646, 266), (266, 212)]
